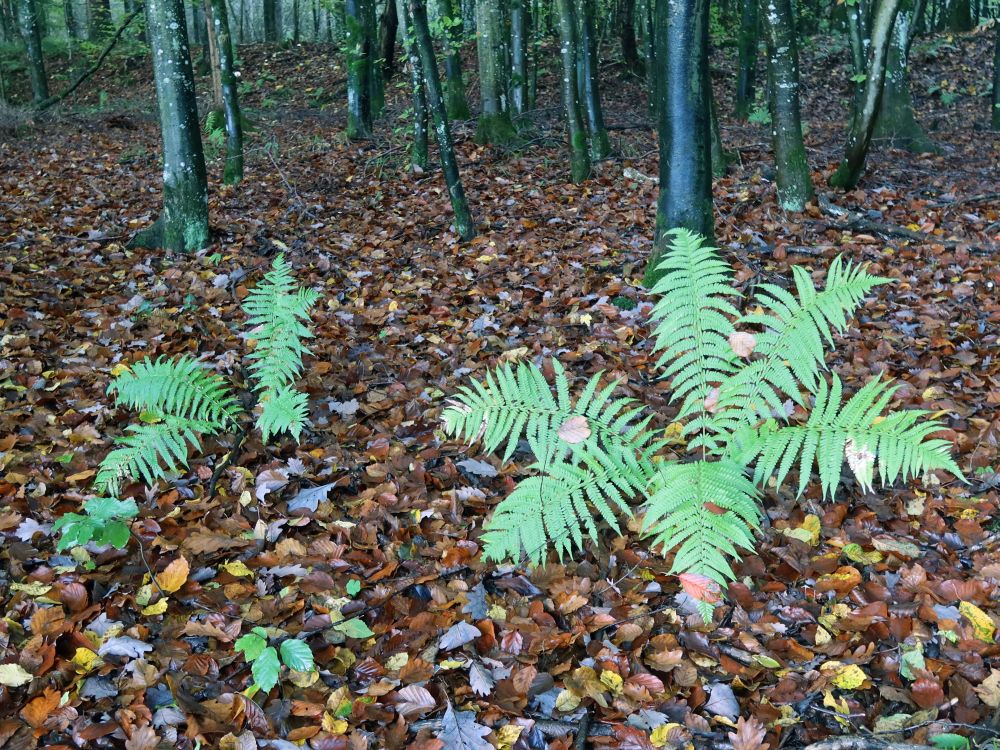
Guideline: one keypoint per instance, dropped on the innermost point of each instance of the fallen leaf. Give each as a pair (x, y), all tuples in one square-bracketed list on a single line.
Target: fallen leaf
[(574, 430)]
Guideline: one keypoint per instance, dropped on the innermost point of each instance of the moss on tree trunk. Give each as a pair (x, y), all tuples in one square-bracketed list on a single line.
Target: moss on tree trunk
[(569, 49), (27, 17), (418, 151), (233, 172), (494, 124)]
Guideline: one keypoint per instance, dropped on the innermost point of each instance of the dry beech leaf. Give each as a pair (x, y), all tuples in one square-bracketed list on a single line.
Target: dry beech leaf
[(742, 343), (700, 587), (749, 735), (175, 575), (414, 700), (574, 430)]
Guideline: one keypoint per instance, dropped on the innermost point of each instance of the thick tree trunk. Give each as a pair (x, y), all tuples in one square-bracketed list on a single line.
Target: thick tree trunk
[(600, 144), (418, 153), (272, 20), (183, 225), (233, 172), (960, 16), (569, 49), (387, 29), (494, 124), (995, 99), (27, 15), (746, 73), (450, 12), (794, 183), (865, 111), (896, 121), (626, 30), (69, 15), (519, 55), (435, 101), (99, 22), (685, 196), (359, 70)]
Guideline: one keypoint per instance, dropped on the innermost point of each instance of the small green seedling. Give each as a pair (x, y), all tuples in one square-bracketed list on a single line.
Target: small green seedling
[(265, 661), (104, 521), (353, 587)]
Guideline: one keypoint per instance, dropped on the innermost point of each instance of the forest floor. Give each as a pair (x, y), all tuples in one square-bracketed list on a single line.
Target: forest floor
[(891, 634)]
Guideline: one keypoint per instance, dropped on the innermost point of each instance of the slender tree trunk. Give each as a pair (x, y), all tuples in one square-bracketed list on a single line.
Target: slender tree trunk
[(435, 101), (375, 78), (896, 121), (747, 40), (359, 69), (69, 15), (569, 49), (685, 195), (536, 46), (215, 64), (450, 12), (418, 153), (720, 159), (519, 55), (183, 225), (995, 99), (388, 27), (866, 110), (27, 14), (99, 24), (653, 75), (494, 124), (233, 172), (272, 21), (626, 29), (600, 144), (295, 20), (794, 183)]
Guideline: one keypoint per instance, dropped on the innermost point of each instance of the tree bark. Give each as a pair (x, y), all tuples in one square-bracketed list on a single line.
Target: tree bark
[(569, 49), (376, 80), (519, 56), (214, 64), (995, 99), (272, 20), (960, 16), (794, 182), (387, 27), (99, 24), (865, 111), (27, 16), (747, 41), (600, 144), (233, 171), (418, 152), (494, 124), (685, 196), (435, 101), (359, 70), (69, 16), (183, 225), (626, 30), (454, 86), (896, 121), (720, 159)]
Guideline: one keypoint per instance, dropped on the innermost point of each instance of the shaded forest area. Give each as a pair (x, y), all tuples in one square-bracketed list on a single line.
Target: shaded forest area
[(863, 620)]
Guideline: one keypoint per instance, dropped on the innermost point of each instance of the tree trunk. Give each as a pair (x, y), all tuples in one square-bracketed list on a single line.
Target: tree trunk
[(685, 195), (746, 74), (519, 55), (388, 26), (435, 101), (183, 225), (865, 111), (27, 15), (454, 86), (214, 63), (626, 29), (494, 124), (272, 20), (418, 153), (896, 121), (960, 16), (569, 49), (995, 99), (720, 159), (375, 78), (359, 70), (69, 15), (99, 22), (233, 172), (794, 183), (600, 144)]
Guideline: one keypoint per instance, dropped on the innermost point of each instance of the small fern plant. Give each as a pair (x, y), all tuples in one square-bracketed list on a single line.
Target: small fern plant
[(733, 377), (180, 400)]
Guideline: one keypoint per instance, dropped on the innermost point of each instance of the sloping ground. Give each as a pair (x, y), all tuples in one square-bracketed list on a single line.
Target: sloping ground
[(883, 618)]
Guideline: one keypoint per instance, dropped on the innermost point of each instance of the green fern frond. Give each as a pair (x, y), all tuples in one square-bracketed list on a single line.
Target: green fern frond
[(151, 452), (275, 310), (281, 411), (898, 441), (183, 387), (693, 320), (678, 517)]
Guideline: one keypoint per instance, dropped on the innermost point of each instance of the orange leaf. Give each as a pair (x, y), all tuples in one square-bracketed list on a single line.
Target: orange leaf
[(174, 575), (700, 587)]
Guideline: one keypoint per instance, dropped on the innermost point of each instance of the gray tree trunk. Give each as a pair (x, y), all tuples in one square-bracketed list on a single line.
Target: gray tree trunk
[(494, 124), (600, 144), (519, 56), (454, 85), (233, 172), (183, 225), (359, 70), (418, 152), (435, 101), (569, 49), (27, 16), (747, 39), (794, 182), (69, 15), (995, 99), (896, 120)]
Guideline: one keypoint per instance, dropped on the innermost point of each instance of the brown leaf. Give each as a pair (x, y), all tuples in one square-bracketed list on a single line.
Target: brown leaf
[(742, 343), (174, 575), (749, 735), (574, 430), (38, 709), (414, 700), (143, 738)]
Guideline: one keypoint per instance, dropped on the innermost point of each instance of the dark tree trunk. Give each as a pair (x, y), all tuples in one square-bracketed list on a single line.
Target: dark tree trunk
[(69, 15), (27, 14), (418, 153), (519, 25), (233, 172), (359, 70), (99, 25), (896, 121), (183, 225), (272, 20), (960, 16), (387, 27), (494, 124), (794, 183), (685, 195), (569, 48), (600, 144), (995, 99), (865, 111), (626, 29), (746, 73), (720, 159), (435, 101), (454, 85), (376, 80)]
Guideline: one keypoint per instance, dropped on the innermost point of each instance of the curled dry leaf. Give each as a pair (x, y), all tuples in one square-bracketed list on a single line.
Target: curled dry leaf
[(574, 430)]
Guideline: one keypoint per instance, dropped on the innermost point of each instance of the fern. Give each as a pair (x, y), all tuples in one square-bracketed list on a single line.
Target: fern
[(281, 411), (732, 374)]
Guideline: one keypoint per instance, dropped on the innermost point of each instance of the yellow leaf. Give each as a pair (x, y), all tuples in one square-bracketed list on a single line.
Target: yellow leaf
[(14, 675), (847, 676), (119, 369), (451, 664), (397, 661), (856, 553), (840, 706), (174, 575), (86, 660), (32, 589), (156, 609), (333, 725), (237, 568), (822, 636), (982, 625), (808, 532), (613, 681), (508, 735), (567, 700), (989, 689), (303, 679), (660, 736)]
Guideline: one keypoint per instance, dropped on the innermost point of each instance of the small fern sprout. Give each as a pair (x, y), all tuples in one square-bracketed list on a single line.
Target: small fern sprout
[(732, 375)]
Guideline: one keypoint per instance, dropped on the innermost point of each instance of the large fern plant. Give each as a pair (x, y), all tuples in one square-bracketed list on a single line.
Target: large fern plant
[(734, 376), (180, 400)]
